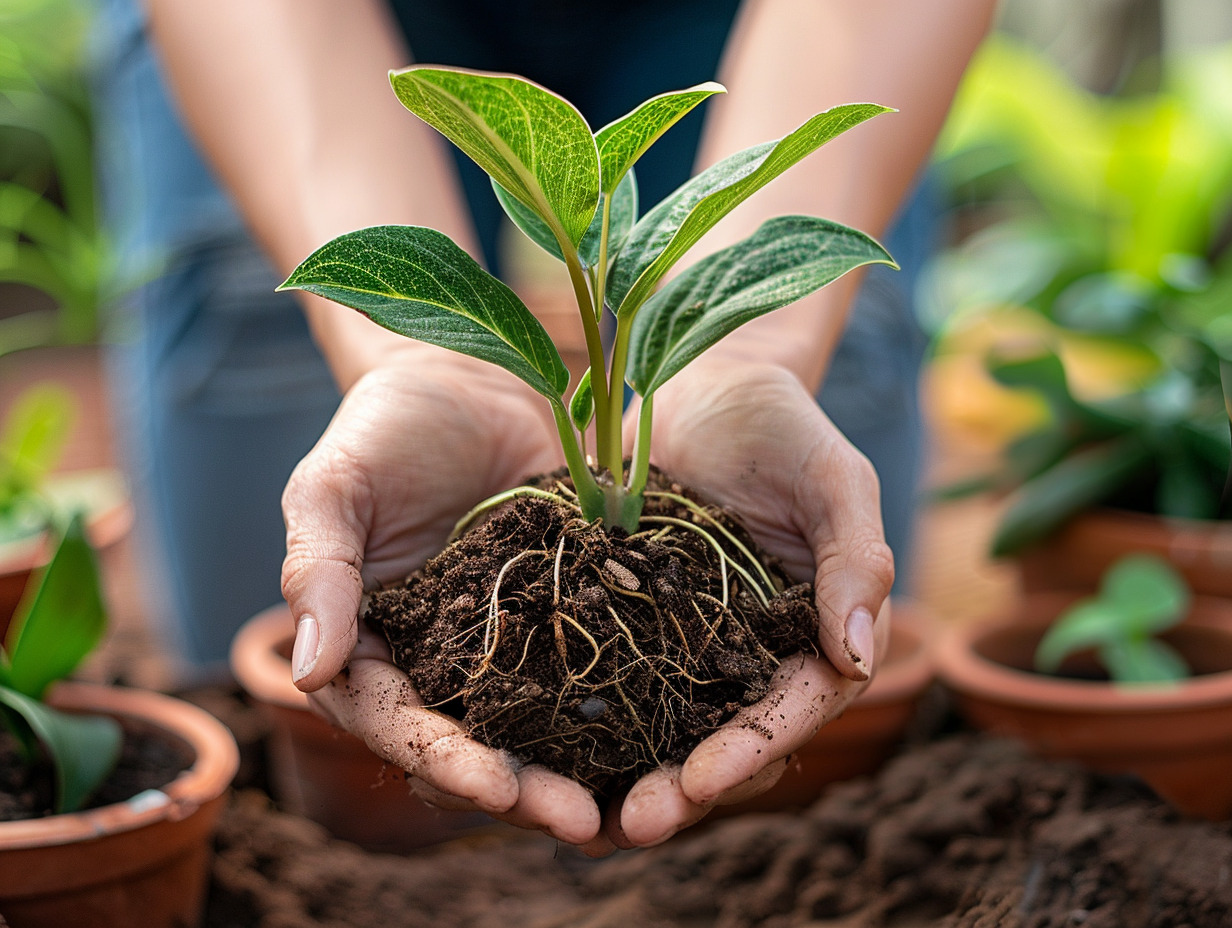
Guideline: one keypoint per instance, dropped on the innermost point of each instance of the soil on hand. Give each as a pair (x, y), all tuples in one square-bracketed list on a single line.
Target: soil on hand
[(598, 654), (149, 759), (965, 832)]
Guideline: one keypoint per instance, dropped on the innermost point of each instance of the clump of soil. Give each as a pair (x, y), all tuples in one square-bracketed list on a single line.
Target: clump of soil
[(598, 654), (148, 759), (966, 832)]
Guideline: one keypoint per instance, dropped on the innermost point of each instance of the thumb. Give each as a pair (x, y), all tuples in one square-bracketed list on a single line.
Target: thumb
[(839, 495), (321, 579)]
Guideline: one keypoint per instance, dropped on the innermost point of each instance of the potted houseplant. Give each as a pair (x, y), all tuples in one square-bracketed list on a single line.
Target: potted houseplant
[(1109, 220), (33, 499), (78, 844), (661, 618), (1137, 679)]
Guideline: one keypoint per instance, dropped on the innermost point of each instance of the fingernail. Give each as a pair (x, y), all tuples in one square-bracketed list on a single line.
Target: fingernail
[(860, 639), (307, 648)]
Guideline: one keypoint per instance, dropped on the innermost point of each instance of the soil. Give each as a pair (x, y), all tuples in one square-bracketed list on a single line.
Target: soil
[(598, 654), (962, 832), (149, 759)]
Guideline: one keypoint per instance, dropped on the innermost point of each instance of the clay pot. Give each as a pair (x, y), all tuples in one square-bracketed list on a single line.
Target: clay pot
[(868, 733), (141, 862), (1178, 738), (1077, 556), (109, 519), (326, 774)]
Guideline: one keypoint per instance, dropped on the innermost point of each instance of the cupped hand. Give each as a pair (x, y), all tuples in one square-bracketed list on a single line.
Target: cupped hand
[(415, 444), (751, 436)]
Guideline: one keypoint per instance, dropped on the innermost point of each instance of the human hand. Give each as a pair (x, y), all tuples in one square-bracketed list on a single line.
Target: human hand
[(414, 445), (750, 435)]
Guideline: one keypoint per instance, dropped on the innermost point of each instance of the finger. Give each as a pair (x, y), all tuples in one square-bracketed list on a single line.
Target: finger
[(656, 808), (554, 804), (756, 784), (855, 568), (321, 579), (805, 693), (375, 701)]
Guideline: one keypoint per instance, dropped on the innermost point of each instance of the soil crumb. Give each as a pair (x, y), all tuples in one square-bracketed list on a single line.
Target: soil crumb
[(600, 655), (964, 832)]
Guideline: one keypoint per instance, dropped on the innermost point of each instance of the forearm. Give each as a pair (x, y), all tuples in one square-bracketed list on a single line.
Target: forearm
[(790, 59), (290, 102)]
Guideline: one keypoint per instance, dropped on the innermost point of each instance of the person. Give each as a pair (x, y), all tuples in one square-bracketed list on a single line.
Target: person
[(289, 102)]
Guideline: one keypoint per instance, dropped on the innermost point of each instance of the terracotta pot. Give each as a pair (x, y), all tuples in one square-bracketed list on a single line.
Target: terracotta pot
[(1077, 556), (322, 772), (110, 517), (141, 862), (868, 733), (1178, 738)]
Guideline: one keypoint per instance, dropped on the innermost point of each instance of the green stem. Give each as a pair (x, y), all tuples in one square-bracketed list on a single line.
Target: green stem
[(616, 395), (639, 468), (594, 348), (601, 282), (591, 497)]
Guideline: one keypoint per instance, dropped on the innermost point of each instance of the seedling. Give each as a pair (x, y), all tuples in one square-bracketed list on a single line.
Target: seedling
[(573, 192), (58, 623), (1139, 598), (32, 437)]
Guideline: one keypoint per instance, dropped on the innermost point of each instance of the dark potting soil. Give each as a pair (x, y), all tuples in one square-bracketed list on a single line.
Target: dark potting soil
[(149, 759), (964, 832), (598, 654)]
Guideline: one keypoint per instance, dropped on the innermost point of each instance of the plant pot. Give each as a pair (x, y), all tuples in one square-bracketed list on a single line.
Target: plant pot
[(141, 862), (109, 517), (1077, 556), (867, 734), (322, 772), (1178, 738)]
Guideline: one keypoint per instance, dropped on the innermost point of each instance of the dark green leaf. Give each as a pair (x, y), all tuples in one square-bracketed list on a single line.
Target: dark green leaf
[(623, 141), (623, 215), (418, 283), (664, 234), (61, 623), (83, 748), (531, 141), (1045, 503), (784, 260), (582, 406)]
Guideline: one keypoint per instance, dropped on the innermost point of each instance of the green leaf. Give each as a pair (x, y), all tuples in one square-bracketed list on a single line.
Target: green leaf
[(34, 431), (1149, 594), (418, 283), (1143, 660), (1044, 503), (664, 234), (61, 623), (582, 406), (531, 141), (626, 139), (623, 215), (785, 259), (83, 748), (1087, 624)]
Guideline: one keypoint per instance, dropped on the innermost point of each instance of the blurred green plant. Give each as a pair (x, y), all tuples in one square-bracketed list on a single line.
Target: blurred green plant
[(51, 236), (1112, 218), (32, 437), (60, 620), (1140, 597)]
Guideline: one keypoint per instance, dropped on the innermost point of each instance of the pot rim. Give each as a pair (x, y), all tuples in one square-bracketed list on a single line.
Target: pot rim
[(966, 672), (212, 770)]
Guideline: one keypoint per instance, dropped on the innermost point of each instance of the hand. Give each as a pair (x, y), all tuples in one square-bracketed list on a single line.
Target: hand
[(749, 435), (414, 445)]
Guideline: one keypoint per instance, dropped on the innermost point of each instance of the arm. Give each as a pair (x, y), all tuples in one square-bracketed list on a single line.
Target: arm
[(289, 101)]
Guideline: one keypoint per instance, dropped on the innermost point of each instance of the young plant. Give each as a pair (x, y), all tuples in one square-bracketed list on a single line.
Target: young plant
[(572, 191), (32, 437), (58, 623), (1139, 598)]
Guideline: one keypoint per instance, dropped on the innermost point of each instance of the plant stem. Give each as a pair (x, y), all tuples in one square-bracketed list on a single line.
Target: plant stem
[(639, 467), (616, 395), (591, 497), (594, 348)]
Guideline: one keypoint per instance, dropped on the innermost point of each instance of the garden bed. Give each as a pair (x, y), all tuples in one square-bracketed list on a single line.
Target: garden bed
[(957, 831)]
